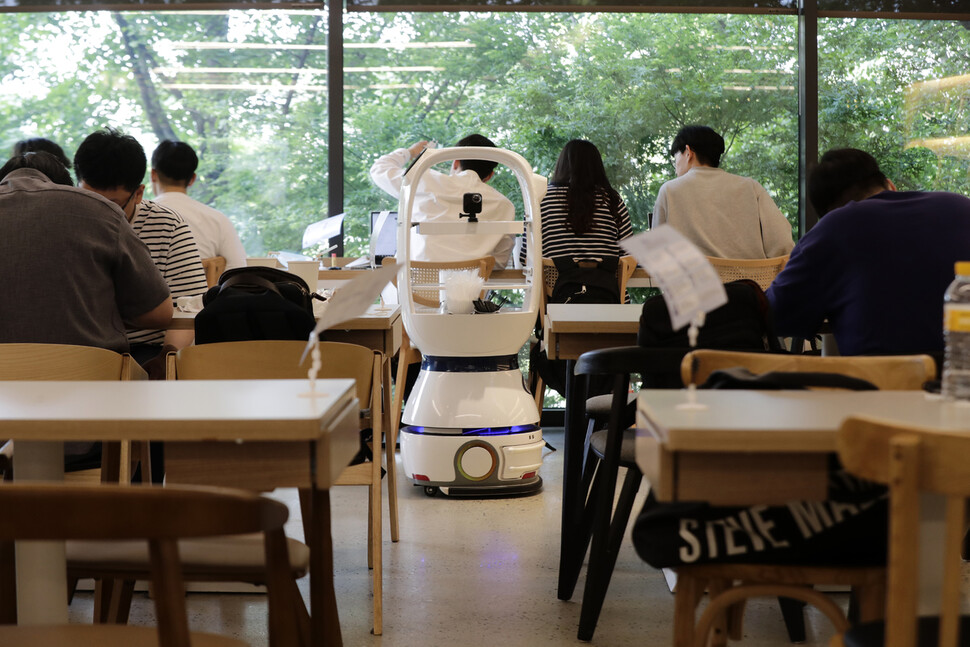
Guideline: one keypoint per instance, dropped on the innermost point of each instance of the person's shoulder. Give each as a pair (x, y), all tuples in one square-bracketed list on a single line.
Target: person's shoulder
[(158, 212)]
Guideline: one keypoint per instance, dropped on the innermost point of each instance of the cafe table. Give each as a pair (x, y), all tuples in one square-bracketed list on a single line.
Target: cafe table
[(569, 331), (292, 436), (737, 448)]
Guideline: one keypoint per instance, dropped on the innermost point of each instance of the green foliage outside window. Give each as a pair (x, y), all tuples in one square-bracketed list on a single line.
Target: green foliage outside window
[(248, 90)]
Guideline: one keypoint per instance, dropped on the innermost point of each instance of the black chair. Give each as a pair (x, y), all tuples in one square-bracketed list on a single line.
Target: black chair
[(593, 519)]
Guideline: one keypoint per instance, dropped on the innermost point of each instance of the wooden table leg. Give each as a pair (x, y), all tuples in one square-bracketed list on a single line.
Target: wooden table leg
[(324, 619)]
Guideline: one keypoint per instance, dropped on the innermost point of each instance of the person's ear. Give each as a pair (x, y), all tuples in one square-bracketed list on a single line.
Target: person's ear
[(456, 165), (890, 186), (139, 194), (489, 176), (191, 181), (154, 176), (688, 153)]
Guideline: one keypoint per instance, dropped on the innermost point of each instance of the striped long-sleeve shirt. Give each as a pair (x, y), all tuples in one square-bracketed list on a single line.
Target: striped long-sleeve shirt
[(558, 240), (173, 250)]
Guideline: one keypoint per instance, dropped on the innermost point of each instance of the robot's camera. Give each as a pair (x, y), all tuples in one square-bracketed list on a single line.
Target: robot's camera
[(472, 206)]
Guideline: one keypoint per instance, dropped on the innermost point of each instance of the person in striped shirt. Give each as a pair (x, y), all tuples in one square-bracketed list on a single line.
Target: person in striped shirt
[(113, 165), (583, 217)]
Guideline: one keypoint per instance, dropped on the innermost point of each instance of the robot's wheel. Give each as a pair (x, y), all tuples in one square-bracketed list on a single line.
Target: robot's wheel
[(430, 490)]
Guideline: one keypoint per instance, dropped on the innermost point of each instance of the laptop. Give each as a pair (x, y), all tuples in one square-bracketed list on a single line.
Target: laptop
[(383, 235)]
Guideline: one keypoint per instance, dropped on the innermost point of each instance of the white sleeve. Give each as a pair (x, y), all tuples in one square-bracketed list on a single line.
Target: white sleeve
[(231, 247), (388, 171)]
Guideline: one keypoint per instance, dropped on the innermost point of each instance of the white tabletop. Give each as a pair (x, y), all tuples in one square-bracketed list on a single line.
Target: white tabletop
[(570, 315), (169, 410), (793, 421)]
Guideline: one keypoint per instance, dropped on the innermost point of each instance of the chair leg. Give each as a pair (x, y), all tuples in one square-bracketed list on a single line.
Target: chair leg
[(569, 572), (869, 601), (719, 630), (8, 584), (793, 611), (402, 378), (375, 546), (390, 443), (602, 559), (688, 596)]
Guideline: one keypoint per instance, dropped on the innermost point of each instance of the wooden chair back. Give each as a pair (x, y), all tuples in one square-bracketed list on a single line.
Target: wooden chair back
[(913, 461), (280, 359), (888, 372), (214, 266), (760, 270), (66, 362), (39, 362), (160, 515)]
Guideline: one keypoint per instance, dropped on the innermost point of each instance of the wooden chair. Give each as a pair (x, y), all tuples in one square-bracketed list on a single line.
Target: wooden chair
[(897, 372), (214, 266), (64, 362), (424, 273), (913, 461), (624, 271), (276, 359), (160, 515), (761, 270), (904, 372)]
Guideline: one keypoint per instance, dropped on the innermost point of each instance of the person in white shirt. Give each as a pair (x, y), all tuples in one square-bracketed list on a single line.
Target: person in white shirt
[(725, 215), (440, 198), (173, 172)]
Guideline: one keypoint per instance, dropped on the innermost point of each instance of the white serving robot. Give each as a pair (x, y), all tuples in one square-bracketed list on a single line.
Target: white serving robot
[(472, 426)]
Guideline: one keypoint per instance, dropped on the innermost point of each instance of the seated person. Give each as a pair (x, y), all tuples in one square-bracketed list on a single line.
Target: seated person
[(439, 197), (173, 172), (583, 217), (725, 215), (36, 144), (876, 265), (81, 273), (113, 165)]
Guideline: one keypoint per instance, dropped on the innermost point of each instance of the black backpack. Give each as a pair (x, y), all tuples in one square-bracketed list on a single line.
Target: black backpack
[(743, 323), (256, 303), (586, 281)]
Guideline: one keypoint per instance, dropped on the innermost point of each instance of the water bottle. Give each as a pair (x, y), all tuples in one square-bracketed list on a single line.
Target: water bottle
[(956, 335)]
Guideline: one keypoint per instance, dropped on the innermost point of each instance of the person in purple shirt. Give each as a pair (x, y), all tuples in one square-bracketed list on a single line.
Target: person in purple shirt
[(876, 265)]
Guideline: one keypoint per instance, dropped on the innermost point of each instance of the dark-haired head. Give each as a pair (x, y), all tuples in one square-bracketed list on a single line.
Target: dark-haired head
[(107, 159), (704, 142), (35, 144), (175, 162), (42, 161), (484, 168), (844, 175), (580, 168)]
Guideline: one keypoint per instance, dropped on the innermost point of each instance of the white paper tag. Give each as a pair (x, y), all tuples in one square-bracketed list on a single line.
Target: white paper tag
[(689, 282)]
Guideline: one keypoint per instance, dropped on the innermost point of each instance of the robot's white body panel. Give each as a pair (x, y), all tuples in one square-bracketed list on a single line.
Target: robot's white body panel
[(473, 428)]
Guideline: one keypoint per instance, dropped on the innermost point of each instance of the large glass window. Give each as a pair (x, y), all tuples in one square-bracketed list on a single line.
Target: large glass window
[(900, 90), (533, 81), (246, 88)]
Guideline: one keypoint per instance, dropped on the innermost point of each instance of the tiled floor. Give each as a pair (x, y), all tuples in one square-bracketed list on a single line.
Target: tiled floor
[(474, 573)]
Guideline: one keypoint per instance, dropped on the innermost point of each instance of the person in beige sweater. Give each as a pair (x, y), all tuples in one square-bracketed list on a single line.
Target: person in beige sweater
[(725, 215)]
